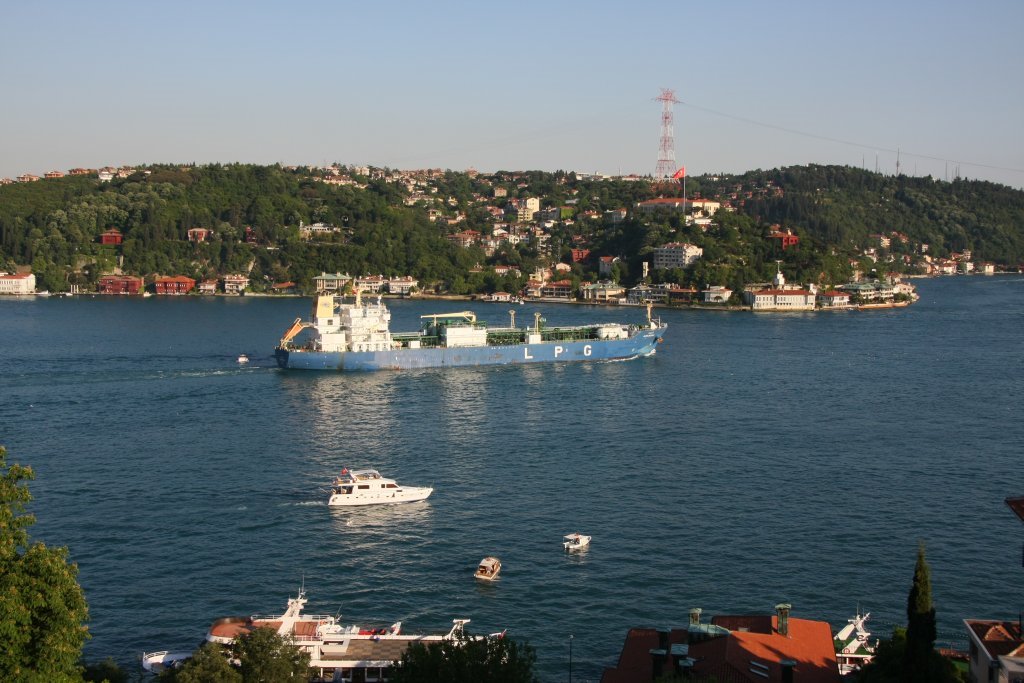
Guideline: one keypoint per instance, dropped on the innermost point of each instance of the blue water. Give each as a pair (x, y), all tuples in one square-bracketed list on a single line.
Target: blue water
[(755, 459)]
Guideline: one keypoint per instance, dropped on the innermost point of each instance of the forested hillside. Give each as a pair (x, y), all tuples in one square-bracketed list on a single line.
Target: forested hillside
[(399, 223), (840, 205)]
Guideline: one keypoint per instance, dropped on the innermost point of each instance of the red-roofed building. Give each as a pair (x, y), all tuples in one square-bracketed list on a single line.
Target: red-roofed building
[(179, 284), (199, 234), (111, 236), (17, 283), (786, 237), (561, 289), (774, 648), (580, 255), (119, 284), (996, 650), (833, 299)]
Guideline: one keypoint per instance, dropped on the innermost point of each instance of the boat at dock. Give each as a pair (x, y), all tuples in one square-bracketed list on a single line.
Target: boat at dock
[(336, 652), (853, 646), (368, 487), (357, 336)]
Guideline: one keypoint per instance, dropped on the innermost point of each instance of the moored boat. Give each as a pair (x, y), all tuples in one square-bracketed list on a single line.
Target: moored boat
[(357, 336), (336, 652), (853, 649), (368, 487), (158, 662)]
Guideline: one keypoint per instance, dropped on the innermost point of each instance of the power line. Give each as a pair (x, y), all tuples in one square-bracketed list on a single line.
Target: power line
[(848, 142)]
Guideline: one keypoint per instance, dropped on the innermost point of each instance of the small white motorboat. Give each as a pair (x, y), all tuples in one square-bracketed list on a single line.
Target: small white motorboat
[(575, 541), (158, 662), (367, 487), (242, 358), (488, 569)]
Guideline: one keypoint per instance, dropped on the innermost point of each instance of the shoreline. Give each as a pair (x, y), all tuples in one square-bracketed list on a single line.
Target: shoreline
[(475, 299)]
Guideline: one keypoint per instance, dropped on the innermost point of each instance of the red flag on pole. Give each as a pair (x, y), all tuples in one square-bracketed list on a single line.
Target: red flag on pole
[(681, 173)]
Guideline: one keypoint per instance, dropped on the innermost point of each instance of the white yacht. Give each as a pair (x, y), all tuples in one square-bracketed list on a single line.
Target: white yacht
[(336, 652), (368, 487)]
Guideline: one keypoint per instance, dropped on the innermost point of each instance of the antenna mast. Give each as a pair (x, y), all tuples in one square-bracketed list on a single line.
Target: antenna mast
[(667, 149)]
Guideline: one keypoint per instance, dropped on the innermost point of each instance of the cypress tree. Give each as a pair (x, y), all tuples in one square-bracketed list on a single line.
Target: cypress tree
[(921, 631)]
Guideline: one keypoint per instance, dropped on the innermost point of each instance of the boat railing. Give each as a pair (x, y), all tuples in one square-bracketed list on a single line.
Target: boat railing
[(279, 617)]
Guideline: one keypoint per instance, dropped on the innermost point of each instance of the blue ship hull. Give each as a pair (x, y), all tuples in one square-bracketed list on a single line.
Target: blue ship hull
[(640, 344)]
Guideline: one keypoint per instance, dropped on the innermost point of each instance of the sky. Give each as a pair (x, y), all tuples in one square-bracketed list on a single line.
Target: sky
[(936, 85)]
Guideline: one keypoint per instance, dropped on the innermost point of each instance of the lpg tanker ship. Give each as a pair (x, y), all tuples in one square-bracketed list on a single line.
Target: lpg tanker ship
[(357, 336)]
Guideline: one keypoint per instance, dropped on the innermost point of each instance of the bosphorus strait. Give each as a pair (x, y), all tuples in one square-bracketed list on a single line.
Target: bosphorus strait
[(755, 458)]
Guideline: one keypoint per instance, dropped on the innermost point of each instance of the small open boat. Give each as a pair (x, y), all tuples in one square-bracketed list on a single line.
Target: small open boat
[(575, 541), (488, 569), (158, 662)]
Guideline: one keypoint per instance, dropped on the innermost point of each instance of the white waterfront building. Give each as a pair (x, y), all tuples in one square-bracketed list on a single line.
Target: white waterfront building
[(17, 284)]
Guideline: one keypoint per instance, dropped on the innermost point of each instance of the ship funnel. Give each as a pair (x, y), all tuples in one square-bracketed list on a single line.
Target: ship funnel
[(782, 610)]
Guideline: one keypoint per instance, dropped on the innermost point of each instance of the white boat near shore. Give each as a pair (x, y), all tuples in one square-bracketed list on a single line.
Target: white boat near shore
[(336, 652)]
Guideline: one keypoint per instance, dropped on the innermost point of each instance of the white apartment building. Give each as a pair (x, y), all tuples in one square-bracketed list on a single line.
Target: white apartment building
[(676, 255)]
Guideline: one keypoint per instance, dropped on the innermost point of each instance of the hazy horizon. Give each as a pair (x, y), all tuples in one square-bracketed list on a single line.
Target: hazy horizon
[(570, 86)]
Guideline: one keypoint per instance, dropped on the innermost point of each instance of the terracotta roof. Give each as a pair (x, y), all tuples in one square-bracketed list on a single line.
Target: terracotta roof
[(809, 644), (735, 656), (998, 637)]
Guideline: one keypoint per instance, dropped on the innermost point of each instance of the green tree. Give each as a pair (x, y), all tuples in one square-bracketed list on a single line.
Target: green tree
[(266, 657), (42, 608), (921, 628), (107, 670), (466, 660), (910, 656)]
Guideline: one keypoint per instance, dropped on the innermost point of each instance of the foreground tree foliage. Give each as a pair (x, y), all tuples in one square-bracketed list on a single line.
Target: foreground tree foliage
[(497, 660), (107, 671), (42, 608), (910, 656), (267, 657), (262, 656), (207, 665)]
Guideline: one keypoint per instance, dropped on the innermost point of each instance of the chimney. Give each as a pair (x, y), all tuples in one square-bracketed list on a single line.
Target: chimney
[(782, 609), (658, 658), (787, 670), (663, 634), (695, 616)]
